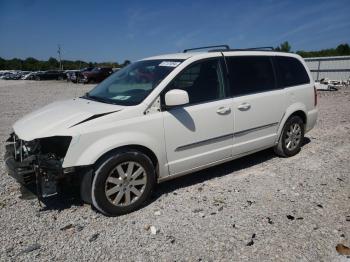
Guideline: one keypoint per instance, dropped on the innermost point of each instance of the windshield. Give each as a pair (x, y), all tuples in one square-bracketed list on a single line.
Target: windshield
[(132, 84)]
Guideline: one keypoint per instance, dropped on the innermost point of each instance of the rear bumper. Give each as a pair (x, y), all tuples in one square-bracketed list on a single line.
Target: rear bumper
[(311, 119), (84, 79)]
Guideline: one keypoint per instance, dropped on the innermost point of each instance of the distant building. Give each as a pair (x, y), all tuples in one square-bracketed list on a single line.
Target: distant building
[(333, 67)]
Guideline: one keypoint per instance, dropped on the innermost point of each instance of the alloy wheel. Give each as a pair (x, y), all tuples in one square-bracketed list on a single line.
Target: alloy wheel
[(125, 183), (293, 136)]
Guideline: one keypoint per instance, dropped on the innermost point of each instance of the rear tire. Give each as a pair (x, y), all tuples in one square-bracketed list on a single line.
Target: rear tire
[(123, 182), (291, 138)]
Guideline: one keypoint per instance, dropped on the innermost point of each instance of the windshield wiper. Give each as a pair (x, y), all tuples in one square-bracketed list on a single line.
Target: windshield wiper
[(98, 99)]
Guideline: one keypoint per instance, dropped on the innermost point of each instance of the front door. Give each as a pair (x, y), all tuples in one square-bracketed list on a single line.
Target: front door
[(201, 132)]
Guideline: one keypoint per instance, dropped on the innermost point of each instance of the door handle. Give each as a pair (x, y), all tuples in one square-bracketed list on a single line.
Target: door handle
[(244, 107), (223, 110)]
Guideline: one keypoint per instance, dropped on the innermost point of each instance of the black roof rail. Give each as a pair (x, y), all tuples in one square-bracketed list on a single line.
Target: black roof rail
[(263, 48), (206, 47)]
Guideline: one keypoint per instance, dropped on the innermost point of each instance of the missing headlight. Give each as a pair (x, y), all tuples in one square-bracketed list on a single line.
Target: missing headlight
[(57, 145)]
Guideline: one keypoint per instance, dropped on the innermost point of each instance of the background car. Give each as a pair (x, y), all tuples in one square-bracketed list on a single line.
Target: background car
[(50, 75), (76, 76), (71, 75), (96, 75), (29, 76), (14, 75), (6, 75)]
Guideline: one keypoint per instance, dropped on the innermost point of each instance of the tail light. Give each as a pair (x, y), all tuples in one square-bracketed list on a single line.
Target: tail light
[(315, 96)]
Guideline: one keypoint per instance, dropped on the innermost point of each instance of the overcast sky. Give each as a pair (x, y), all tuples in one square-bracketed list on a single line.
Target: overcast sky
[(119, 30)]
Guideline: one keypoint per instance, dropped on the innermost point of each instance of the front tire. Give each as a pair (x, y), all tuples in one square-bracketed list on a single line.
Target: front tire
[(123, 181), (291, 138)]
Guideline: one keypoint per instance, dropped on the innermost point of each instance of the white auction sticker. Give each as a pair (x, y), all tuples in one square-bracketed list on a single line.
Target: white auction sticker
[(169, 63), (121, 97)]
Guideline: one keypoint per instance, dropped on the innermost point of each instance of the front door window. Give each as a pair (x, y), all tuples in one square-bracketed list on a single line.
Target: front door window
[(203, 81)]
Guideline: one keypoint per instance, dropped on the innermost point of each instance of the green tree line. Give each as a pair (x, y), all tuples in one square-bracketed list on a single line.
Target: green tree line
[(340, 50), (32, 64)]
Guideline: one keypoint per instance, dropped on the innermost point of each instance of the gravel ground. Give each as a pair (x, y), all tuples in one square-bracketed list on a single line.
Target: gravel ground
[(258, 208)]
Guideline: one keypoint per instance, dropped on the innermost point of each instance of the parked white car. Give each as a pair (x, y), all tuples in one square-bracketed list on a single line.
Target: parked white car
[(28, 76), (163, 117)]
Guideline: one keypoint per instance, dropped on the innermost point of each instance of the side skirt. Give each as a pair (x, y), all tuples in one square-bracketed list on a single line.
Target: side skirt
[(169, 177)]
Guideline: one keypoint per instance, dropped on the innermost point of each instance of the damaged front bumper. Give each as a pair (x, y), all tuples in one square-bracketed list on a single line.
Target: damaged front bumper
[(35, 167)]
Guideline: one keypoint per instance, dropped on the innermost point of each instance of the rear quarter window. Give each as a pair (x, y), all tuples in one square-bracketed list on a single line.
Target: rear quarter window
[(291, 71)]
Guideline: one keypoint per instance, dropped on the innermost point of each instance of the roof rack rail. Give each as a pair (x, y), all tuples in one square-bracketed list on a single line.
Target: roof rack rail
[(263, 48), (206, 47)]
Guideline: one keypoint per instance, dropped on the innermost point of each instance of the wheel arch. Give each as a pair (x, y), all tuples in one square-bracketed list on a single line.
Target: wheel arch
[(295, 109), (143, 149), (301, 114)]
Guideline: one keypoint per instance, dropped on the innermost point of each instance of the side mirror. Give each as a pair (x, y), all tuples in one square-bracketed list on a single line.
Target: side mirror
[(176, 97)]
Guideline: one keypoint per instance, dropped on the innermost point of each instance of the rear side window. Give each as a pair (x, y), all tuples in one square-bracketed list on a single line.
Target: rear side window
[(250, 74), (291, 71)]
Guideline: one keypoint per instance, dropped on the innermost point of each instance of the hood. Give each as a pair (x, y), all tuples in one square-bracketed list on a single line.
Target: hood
[(54, 119)]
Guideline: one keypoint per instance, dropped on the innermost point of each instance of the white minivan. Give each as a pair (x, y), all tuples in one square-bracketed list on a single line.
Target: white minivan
[(164, 117)]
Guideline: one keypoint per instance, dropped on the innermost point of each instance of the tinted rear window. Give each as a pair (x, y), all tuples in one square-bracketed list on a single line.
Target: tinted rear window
[(250, 74), (291, 71)]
